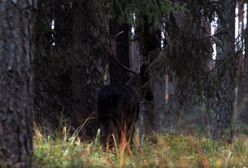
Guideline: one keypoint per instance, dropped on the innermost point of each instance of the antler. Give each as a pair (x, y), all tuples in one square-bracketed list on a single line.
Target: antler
[(110, 46), (112, 51)]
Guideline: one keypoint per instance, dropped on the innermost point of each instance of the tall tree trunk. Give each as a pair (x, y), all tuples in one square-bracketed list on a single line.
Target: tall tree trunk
[(158, 87), (153, 115), (226, 73), (16, 83), (242, 100), (63, 18), (80, 57), (85, 74)]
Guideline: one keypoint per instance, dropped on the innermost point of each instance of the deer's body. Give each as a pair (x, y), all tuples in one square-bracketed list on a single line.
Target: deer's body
[(118, 110), (118, 105)]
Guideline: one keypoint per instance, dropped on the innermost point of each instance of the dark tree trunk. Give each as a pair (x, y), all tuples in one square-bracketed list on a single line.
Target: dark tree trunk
[(242, 100), (63, 25), (85, 80), (16, 83), (226, 73), (80, 57), (153, 114)]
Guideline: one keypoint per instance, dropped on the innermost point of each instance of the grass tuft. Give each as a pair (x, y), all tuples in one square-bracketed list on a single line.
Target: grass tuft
[(172, 151)]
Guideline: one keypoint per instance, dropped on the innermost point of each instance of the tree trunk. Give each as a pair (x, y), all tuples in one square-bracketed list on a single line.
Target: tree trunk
[(85, 77), (16, 83), (158, 88), (242, 100), (153, 115), (63, 24), (226, 73), (80, 56)]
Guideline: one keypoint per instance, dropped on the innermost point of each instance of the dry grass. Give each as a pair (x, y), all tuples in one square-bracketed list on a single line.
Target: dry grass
[(163, 151)]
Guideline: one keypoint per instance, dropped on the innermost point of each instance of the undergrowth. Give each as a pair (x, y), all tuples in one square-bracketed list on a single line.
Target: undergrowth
[(173, 151)]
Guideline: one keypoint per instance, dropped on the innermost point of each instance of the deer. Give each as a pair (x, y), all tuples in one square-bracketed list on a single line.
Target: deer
[(118, 106)]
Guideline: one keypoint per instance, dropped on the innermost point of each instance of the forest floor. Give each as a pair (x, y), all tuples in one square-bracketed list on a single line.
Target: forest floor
[(172, 151)]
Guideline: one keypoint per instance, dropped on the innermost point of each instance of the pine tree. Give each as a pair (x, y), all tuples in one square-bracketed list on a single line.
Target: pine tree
[(16, 84)]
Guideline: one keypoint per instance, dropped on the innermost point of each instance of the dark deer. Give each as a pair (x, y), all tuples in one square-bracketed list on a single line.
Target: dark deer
[(118, 106)]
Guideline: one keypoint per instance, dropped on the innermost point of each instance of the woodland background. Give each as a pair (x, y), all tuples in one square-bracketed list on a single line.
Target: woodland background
[(55, 56)]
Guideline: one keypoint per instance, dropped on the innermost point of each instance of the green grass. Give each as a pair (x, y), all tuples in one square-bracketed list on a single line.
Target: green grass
[(63, 150)]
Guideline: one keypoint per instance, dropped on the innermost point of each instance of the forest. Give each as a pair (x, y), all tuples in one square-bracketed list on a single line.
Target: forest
[(123, 83)]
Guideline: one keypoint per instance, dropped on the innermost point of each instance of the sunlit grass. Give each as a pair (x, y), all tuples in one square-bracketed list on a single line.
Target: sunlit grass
[(65, 150)]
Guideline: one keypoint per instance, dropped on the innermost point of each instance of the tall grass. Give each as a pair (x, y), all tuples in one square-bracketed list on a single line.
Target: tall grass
[(64, 150)]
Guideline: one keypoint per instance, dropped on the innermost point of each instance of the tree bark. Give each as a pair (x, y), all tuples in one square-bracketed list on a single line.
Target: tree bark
[(242, 100), (226, 73), (16, 83), (85, 80), (79, 77), (154, 111), (63, 39)]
